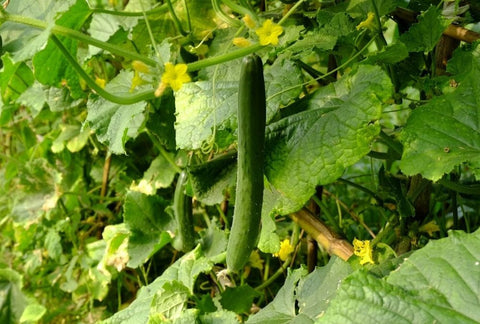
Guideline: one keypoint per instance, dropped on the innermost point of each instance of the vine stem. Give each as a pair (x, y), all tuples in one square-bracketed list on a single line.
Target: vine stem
[(68, 32), (290, 12), (223, 58), (122, 100), (176, 21), (106, 175)]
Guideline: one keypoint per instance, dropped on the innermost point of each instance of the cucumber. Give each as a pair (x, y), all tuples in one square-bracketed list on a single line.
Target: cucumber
[(182, 209), (251, 147)]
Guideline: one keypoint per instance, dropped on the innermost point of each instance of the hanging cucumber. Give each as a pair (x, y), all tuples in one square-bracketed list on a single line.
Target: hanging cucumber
[(251, 144), (182, 209)]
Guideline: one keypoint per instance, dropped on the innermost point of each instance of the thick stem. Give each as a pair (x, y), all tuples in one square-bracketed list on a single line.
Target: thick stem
[(322, 234)]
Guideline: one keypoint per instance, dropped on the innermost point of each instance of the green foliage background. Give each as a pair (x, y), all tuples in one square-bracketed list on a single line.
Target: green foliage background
[(366, 126)]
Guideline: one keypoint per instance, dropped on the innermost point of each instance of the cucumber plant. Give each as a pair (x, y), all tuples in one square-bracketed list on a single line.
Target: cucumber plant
[(251, 147)]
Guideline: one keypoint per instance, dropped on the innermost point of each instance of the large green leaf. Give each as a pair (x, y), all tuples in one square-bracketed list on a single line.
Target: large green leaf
[(312, 294), (424, 35), (315, 146), (444, 133), (282, 308), (184, 271), (51, 66), (12, 300), (148, 222), (203, 105), (437, 284), (200, 107), (114, 123), (24, 41)]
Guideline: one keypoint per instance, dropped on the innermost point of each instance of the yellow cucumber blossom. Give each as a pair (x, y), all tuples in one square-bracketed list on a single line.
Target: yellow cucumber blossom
[(269, 33), (100, 82), (367, 23), (363, 250), (241, 42), (285, 250), (174, 76), (249, 22), (136, 81), (139, 66)]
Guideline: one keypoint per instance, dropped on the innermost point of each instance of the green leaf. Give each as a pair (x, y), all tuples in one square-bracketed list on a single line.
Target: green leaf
[(142, 246), (314, 40), (148, 222), (103, 26), (185, 271), (12, 301), (238, 299), (282, 308), (161, 120), (33, 312), (113, 123), (391, 54), (314, 147), (317, 290), (443, 133), (269, 241), (205, 304), (33, 98), (281, 75), (161, 172), (436, 284), (23, 41), (424, 35), (14, 79), (170, 301), (312, 294), (219, 317), (201, 106), (51, 67), (144, 213), (53, 244), (211, 179), (213, 240)]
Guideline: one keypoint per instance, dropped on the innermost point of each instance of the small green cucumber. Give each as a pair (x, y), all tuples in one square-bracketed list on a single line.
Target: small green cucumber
[(251, 147), (182, 209)]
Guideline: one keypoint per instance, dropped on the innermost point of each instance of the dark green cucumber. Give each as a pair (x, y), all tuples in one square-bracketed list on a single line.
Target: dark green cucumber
[(251, 147), (182, 209)]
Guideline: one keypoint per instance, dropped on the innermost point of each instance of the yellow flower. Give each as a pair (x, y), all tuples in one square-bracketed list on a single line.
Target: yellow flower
[(100, 82), (367, 23), (363, 250), (140, 66), (269, 33), (175, 75), (241, 42), (136, 81), (249, 22), (285, 249)]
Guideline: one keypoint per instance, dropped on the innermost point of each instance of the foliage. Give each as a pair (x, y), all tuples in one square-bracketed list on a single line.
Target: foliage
[(372, 139)]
